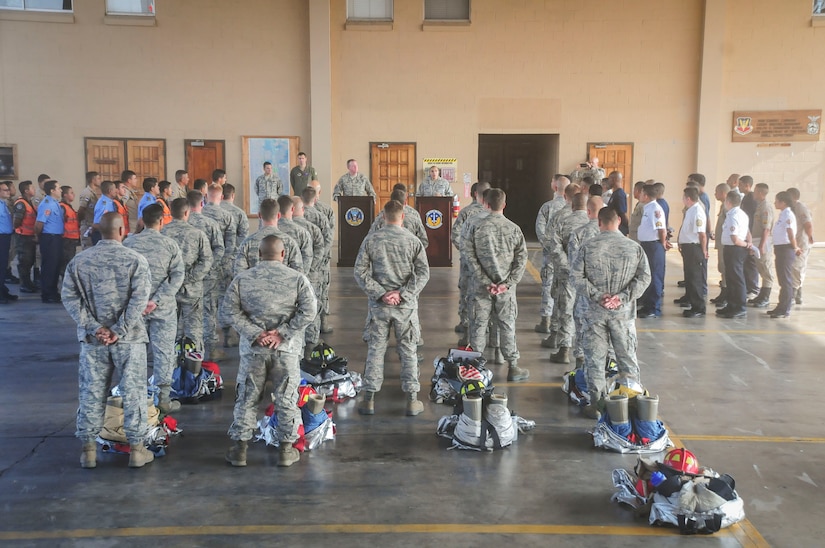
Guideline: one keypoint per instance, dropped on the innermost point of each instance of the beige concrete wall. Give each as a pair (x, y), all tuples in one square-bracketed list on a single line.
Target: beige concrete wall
[(591, 71), (207, 70), (772, 54)]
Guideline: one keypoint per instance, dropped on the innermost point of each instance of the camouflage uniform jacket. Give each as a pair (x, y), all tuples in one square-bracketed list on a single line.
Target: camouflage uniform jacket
[(226, 222), (214, 234), (317, 238), (316, 217), (496, 251), (247, 256), (392, 259), (437, 187), (546, 213), (241, 225), (197, 255), (349, 185), (461, 219), (301, 237), (412, 222), (561, 237), (165, 264), (269, 296), (268, 187), (108, 286)]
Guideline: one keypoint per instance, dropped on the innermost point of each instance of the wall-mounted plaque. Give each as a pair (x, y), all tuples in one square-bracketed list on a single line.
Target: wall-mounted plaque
[(760, 126)]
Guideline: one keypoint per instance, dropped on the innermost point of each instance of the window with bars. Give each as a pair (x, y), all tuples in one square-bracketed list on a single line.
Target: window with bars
[(447, 10), (369, 10), (130, 7), (37, 5)]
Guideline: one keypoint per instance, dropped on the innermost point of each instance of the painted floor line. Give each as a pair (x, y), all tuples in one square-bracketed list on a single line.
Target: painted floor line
[(762, 439), (533, 272), (350, 528)]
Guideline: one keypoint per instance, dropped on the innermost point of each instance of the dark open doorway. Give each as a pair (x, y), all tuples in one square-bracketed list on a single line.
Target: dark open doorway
[(522, 166)]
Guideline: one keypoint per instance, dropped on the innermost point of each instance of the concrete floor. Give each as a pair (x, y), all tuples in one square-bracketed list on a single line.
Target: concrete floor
[(741, 394)]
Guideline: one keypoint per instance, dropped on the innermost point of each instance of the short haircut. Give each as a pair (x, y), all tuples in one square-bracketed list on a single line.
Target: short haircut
[(588, 180), (179, 174), (152, 214), (127, 174), (302, 154), (639, 185), (393, 210), (308, 194), (399, 195), (271, 248), (660, 189), (746, 180), (595, 190), (200, 184), (214, 191), (496, 199), (571, 190), (268, 210), (350, 161), (42, 177), (179, 207), (285, 204), (723, 187), (267, 163), (762, 187), (608, 216), (733, 198), (163, 185), (23, 186), (105, 187), (784, 197), (579, 201), (698, 178), (480, 188), (217, 174), (228, 191), (692, 193), (399, 186), (594, 204), (194, 198), (65, 189), (793, 192), (119, 184), (49, 185), (90, 176), (149, 183), (649, 191)]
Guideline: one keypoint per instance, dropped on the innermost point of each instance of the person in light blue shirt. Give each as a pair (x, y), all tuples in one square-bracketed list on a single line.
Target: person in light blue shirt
[(6, 229), (106, 204), (151, 190), (48, 229)]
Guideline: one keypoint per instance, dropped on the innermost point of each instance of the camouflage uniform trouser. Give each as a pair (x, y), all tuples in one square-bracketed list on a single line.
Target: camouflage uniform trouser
[(493, 334), (763, 264), (599, 333), (323, 289), (800, 265), (190, 320), (312, 334), (405, 323), (97, 364), (503, 310), (256, 367), (463, 291), (547, 272), (211, 300), (162, 328), (563, 311), (26, 253)]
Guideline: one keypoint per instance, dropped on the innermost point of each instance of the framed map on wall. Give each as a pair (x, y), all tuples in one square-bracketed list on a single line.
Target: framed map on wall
[(279, 151)]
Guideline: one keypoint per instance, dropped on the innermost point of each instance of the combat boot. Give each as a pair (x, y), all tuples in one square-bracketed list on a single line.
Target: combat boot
[(288, 455), (367, 405), (165, 402), (308, 350), (562, 356), (139, 455), (499, 357), (88, 458), (763, 299), (551, 341), (798, 296), (236, 456), (543, 326), (594, 410), (516, 373), (459, 328), (414, 405), (325, 327)]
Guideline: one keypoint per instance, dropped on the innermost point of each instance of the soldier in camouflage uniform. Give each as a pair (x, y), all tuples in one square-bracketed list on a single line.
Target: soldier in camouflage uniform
[(353, 183), (546, 213), (247, 256), (559, 218), (559, 238), (268, 185), (86, 206), (270, 305), (197, 261), (227, 222), (588, 169), (166, 266), (295, 231), (105, 290), (392, 269), (412, 219), (637, 213), (316, 269), (577, 239), (497, 257), (240, 223), (434, 185), (214, 232), (474, 208), (611, 271), (328, 214)]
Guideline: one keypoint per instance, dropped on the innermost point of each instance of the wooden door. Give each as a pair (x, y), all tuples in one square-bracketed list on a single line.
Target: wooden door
[(107, 157), (147, 158), (203, 157), (616, 157), (392, 163)]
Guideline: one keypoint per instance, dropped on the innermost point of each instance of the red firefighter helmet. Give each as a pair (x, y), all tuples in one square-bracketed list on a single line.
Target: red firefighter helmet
[(681, 460)]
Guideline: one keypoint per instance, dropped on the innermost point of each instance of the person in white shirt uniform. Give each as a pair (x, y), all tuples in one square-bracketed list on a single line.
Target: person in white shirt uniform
[(785, 250), (653, 239), (736, 241), (693, 244)]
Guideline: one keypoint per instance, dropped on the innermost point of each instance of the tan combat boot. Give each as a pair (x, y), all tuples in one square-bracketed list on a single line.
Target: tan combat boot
[(562, 356), (236, 456), (88, 458), (139, 455), (516, 373), (288, 455), (414, 405), (367, 405), (543, 326)]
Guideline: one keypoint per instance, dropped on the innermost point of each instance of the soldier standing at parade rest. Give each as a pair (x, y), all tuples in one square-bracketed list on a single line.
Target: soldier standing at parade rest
[(328, 213), (546, 214), (105, 291), (610, 271), (270, 305), (392, 269), (474, 208)]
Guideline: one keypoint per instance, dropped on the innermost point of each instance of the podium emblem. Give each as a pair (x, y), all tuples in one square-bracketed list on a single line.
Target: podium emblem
[(434, 219), (354, 216)]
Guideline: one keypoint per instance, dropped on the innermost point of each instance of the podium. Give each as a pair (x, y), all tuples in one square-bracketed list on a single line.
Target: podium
[(357, 214), (436, 214)]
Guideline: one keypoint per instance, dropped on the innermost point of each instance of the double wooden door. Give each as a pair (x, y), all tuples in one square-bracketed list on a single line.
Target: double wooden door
[(392, 163), (110, 157)]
